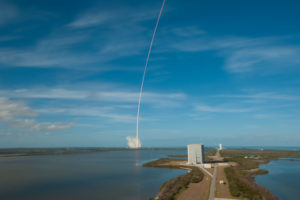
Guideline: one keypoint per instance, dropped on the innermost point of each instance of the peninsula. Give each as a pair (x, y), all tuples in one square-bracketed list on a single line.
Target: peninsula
[(231, 175)]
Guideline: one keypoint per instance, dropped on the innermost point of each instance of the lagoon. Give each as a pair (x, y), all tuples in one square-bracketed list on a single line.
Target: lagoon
[(103, 175), (282, 179)]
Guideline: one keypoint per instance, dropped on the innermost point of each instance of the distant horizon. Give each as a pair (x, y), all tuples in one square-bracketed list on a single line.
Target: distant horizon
[(162, 147)]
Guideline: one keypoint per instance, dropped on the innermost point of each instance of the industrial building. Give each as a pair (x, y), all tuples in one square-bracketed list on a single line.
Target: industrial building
[(220, 146), (195, 154)]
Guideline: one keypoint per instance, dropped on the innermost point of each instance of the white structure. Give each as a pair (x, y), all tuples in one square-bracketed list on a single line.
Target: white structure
[(195, 154), (220, 147), (207, 165)]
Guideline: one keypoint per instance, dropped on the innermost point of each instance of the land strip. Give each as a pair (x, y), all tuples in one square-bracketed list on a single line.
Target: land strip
[(241, 176), (171, 189), (201, 190), (196, 191), (234, 171)]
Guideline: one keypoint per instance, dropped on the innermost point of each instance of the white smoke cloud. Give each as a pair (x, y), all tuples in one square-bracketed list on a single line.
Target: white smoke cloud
[(133, 142)]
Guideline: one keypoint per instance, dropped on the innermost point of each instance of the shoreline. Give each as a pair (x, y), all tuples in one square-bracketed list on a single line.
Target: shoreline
[(175, 186), (269, 179), (241, 178), (15, 152)]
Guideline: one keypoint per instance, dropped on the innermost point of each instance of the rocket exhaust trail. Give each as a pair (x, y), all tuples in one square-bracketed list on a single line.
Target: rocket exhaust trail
[(137, 141), (138, 144)]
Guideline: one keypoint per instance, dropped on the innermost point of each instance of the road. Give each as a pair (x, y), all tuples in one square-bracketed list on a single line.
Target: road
[(213, 185), (214, 178)]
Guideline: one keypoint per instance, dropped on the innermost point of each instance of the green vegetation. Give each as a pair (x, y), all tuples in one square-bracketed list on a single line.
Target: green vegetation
[(210, 151), (172, 188), (243, 185), (163, 163), (52, 151), (241, 177)]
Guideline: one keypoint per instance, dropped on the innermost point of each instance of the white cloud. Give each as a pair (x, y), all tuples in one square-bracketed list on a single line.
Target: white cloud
[(49, 127), (111, 105), (48, 52), (123, 35), (91, 19), (263, 96), (245, 54), (19, 116), (159, 99), (248, 59), (9, 110), (115, 33), (206, 108), (121, 48), (95, 112), (203, 43), (115, 17), (59, 126)]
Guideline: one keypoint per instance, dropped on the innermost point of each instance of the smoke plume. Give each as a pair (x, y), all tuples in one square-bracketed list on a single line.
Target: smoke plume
[(136, 139), (133, 142)]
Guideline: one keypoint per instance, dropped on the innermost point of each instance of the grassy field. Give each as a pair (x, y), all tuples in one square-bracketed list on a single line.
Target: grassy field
[(52, 151), (241, 177)]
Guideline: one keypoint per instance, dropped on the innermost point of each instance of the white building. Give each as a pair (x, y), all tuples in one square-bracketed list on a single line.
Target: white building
[(195, 154), (220, 147)]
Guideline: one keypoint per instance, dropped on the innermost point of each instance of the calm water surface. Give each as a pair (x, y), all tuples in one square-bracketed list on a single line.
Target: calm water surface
[(283, 179), (105, 175)]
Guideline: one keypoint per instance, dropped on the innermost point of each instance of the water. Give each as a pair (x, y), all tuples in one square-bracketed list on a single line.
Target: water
[(282, 180), (104, 175)]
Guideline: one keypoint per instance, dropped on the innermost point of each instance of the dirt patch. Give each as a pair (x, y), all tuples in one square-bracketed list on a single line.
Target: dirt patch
[(222, 190), (196, 191)]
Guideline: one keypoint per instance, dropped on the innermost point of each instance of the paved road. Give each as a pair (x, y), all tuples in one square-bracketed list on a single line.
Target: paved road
[(214, 179), (213, 185)]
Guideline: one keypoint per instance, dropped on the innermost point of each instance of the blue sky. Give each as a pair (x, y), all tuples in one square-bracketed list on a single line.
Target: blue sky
[(220, 72)]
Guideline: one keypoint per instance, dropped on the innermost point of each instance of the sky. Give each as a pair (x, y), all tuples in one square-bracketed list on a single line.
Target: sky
[(220, 72)]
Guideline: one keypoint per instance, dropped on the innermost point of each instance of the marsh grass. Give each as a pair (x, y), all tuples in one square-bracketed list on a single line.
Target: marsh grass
[(170, 189), (241, 177)]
